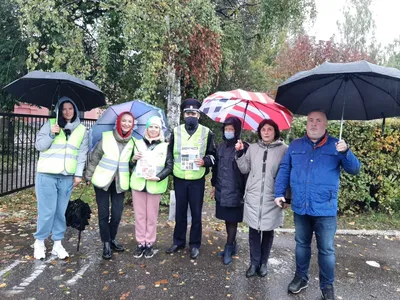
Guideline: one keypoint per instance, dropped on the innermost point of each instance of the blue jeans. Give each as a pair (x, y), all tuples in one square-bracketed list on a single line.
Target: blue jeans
[(52, 193), (325, 229)]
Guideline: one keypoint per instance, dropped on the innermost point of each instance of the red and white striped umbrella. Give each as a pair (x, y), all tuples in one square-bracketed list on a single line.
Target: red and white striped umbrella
[(250, 107)]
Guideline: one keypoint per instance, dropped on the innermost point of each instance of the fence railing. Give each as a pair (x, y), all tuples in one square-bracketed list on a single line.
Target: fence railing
[(18, 156)]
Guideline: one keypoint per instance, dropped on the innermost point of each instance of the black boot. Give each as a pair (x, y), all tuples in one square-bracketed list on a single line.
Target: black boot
[(251, 271), (263, 270), (107, 250), (228, 254), (116, 246)]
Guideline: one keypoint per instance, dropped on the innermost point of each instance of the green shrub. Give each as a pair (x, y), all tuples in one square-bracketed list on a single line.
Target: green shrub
[(377, 186)]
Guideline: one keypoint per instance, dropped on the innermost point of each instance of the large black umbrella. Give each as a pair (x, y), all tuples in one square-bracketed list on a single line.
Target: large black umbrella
[(77, 215), (345, 91), (45, 88)]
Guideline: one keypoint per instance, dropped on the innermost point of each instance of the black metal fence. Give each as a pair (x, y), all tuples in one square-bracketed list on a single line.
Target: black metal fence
[(18, 156)]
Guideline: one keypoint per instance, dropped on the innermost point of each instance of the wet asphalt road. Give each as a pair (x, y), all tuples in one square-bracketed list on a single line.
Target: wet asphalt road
[(86, 276)]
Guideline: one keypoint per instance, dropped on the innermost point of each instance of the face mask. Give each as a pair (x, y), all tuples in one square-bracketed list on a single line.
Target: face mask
[(229, 135), (191, 121)]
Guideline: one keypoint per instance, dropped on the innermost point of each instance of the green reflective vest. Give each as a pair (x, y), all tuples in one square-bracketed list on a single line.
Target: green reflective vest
[(112, 161), (197, 141), (62, 154), (158, 156)]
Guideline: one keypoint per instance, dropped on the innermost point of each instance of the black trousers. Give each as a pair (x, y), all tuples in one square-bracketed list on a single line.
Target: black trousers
[(260, 245), (188, 193), (109, 225)]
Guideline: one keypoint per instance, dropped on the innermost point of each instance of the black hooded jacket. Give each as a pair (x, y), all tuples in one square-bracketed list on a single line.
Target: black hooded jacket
[(228, 181)]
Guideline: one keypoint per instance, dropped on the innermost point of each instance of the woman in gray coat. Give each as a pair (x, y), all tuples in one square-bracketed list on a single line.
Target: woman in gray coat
[(261, 162)]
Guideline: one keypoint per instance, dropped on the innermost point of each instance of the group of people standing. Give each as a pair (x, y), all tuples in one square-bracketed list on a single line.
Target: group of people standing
[(250, 182)]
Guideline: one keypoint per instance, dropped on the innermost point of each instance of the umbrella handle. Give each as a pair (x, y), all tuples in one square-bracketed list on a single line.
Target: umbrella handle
[(244, 118), (346, 79)]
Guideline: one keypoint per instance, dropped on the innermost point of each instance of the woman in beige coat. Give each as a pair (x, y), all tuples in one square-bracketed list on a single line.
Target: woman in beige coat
[(261, 161)]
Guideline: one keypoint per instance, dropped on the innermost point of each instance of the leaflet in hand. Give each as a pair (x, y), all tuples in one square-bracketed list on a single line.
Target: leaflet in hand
[(188, 155), (145, 167)]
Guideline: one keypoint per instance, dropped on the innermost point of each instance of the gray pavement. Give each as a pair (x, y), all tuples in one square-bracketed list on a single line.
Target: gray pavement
[(368, 267)]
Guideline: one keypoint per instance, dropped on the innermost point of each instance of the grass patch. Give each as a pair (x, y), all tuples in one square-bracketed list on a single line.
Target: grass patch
[(22, 206)]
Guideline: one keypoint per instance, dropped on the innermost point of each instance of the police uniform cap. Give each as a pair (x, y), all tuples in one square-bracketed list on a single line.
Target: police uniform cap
[(190, 104)]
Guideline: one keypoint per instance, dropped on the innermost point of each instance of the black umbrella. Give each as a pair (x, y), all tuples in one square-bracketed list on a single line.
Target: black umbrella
[(45, 88), (345, 91), (77, 215)]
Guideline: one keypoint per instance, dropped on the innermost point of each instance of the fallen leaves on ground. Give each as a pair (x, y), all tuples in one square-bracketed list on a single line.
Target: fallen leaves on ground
[(124, 296), (161, 282)]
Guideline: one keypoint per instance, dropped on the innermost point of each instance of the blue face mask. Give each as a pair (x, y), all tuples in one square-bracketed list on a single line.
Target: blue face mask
[(229, 135)]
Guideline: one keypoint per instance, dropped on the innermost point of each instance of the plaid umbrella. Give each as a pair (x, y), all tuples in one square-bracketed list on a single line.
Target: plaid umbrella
[(250, 107)]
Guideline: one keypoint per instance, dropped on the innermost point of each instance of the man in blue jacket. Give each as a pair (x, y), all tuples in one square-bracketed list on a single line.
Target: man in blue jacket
[(312, 167)]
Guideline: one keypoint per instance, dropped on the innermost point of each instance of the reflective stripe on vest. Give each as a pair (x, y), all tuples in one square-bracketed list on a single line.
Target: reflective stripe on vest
[(158, 156), (62, 154), (112, 161), (183, 139)]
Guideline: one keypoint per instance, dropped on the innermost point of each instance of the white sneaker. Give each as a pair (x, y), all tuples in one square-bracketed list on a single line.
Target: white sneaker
[(39, 249), (59, 250)]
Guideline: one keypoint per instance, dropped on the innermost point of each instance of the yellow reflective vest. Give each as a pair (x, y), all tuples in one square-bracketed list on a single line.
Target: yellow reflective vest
[(158, 157), (62, 154), (112, 161), (198, 142)]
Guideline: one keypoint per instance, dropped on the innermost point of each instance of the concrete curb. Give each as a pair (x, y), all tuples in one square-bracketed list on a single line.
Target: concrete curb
[(395, 233)]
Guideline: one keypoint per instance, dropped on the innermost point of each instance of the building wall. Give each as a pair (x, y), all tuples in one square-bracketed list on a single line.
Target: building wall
[(34, 110)]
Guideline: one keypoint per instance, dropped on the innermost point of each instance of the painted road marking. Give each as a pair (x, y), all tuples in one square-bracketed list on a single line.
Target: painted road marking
[(10, 267), (78, 275), (27, 281)]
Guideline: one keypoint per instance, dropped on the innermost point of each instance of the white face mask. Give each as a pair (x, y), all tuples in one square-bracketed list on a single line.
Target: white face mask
[(229, 135)]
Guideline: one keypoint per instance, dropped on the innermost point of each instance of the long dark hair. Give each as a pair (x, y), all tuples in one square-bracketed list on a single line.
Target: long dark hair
[(271, 123), (61, 121)]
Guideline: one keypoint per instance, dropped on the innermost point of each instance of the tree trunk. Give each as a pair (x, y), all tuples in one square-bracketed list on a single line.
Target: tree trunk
[(173, 99), (174, 91)]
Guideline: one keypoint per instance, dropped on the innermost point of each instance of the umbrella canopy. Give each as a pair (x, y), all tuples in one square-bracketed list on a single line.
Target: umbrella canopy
[(345, 91), (251, 108), (141, 110), (45, 88), (77, 216)]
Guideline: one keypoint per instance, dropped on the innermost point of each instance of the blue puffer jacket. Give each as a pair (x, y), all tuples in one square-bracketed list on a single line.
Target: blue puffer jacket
[(314, 176)]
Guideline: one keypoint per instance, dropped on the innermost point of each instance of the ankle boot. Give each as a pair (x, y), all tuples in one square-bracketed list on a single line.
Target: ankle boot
[(228, 254), (107, 250), (234, 251), (263, 270), (251, 271), (235, 248)]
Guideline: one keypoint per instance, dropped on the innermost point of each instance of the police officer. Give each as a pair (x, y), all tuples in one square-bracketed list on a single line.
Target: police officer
[(193, 151)]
